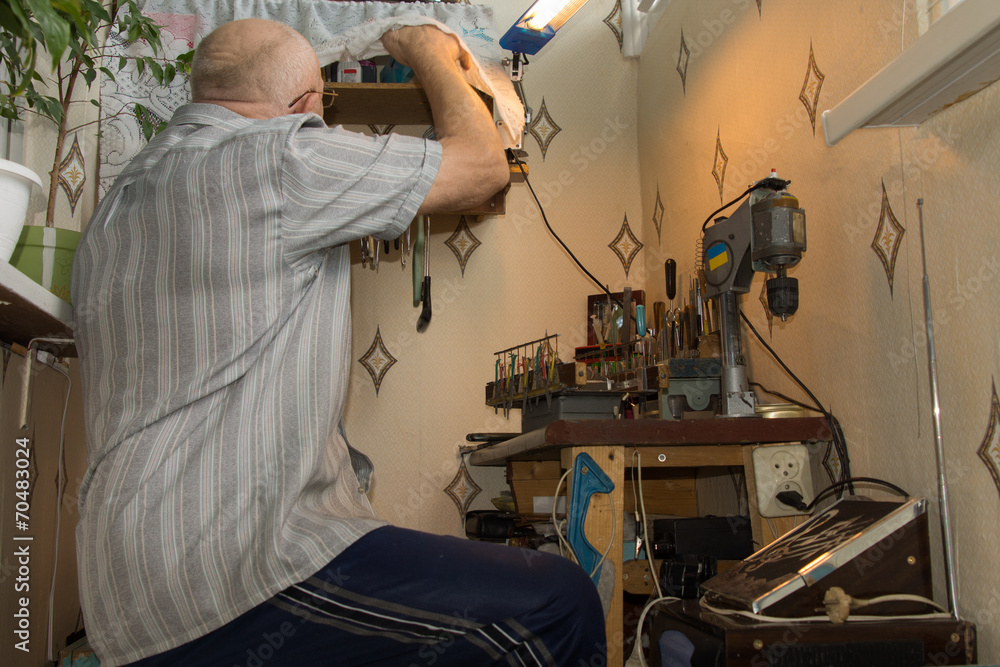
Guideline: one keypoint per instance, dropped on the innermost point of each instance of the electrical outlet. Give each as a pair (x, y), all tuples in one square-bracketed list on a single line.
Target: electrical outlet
[(781, 468)]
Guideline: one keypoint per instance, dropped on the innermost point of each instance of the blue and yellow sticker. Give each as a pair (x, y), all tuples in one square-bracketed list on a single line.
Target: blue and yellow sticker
[(717, 256)]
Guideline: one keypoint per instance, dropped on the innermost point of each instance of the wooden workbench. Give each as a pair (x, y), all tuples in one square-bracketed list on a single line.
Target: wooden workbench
[(661, 443)]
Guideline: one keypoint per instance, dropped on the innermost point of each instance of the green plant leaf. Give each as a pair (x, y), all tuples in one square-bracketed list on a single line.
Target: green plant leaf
[(54, 28), (157, 70), (169, 71), (13, 19)]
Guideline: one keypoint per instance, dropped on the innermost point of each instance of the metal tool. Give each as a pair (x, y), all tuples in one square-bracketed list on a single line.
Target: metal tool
[(425, 292), (404, 247), (659, 323), (766, 233), (946, 535), (674, 319), (418, 261), (670, 269)]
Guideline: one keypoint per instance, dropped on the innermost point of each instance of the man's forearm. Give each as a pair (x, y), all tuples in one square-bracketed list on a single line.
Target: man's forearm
[(473, 167)]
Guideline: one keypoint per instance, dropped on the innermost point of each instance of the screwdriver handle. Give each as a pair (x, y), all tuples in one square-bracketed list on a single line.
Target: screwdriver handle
[(670, 266), (425, 313)]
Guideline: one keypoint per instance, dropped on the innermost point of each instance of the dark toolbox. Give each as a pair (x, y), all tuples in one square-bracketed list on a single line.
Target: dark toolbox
[(723, 537), (685, 633)]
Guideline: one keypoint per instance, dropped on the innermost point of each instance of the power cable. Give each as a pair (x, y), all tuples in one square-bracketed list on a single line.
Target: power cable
[(722, 208), (520, 165), (839, 440)]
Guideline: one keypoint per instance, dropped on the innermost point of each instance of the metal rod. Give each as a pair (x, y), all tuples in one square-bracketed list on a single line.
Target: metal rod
[(946, 535), (540, 340), (26, 382), (730, 335)]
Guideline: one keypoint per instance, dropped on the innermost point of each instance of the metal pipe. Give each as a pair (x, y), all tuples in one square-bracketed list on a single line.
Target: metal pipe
[(729, 337), (737, 399), (946, 535)]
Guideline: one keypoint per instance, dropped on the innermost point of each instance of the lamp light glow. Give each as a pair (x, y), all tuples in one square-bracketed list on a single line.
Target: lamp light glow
[(538, 25)]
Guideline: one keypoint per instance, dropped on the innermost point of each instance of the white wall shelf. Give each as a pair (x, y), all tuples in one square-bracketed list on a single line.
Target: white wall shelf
[(956, 58), (28, 310)]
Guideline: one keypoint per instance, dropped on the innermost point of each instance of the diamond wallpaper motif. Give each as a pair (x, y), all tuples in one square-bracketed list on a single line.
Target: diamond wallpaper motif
[(719, 164), (683, 58), (377, 360), (614, 21), (543, 128), (626, 245), (73, 173), (658, 214), (989, 450), (462, 243), (888, 238), (813, 83), (462, 489)]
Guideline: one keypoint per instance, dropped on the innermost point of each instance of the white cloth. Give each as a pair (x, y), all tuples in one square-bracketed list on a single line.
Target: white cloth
[(337, 30)]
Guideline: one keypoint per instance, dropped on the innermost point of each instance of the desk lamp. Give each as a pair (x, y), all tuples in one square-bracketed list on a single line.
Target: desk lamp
[(538, 25), (530, 33)]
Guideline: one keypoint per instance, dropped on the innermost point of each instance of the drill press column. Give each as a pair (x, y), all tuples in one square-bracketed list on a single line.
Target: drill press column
[(737, 399)]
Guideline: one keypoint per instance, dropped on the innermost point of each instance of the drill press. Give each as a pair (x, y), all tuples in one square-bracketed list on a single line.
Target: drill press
[(766, 233)]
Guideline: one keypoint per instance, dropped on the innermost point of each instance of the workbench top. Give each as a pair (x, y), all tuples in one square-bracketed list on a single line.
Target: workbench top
[(545, 443)]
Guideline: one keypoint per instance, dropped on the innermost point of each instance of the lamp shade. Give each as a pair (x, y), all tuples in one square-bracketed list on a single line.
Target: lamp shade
[(538, 25)]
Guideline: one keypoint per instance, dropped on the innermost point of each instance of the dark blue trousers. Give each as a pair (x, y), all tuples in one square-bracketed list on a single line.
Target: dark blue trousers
[(406, 598)]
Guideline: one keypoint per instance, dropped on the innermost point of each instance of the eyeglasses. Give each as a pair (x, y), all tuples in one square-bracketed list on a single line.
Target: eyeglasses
[(328, 97)]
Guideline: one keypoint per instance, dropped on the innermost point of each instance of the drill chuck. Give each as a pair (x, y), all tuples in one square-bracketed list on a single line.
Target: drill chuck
[(783, 296)]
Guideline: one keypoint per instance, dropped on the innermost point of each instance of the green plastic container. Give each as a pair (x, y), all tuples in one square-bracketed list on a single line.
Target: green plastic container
[(45, 254)]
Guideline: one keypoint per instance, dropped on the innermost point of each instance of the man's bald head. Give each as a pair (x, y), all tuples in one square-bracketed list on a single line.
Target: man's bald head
[(254, 61)]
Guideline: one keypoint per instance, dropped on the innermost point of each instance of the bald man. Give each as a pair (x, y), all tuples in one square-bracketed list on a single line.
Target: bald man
[(221, 522)]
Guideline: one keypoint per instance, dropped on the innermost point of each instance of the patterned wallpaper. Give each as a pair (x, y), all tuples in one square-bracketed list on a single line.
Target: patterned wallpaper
[(496, 281), (499, 280), (729, 89), (627, 157)]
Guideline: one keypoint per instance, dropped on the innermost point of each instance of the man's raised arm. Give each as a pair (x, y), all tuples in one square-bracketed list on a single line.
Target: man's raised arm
[(473, 167)]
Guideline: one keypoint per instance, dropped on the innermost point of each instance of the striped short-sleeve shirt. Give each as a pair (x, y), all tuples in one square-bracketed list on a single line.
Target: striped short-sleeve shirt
[(212, 298)]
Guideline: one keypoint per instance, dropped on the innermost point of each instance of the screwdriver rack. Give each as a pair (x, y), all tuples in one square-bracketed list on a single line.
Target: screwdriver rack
[(530, 370), (630, 366)]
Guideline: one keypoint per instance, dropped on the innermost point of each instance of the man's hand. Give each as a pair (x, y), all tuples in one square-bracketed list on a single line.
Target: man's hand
[(410, 43), (473, 165)]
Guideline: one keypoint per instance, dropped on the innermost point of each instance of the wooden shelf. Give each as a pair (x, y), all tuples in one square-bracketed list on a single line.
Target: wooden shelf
[(382, 104), (378, 104), (400, 104), (28, 310)]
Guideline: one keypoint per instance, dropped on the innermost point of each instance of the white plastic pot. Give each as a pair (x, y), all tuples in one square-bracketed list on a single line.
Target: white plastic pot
[(15, 191)]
